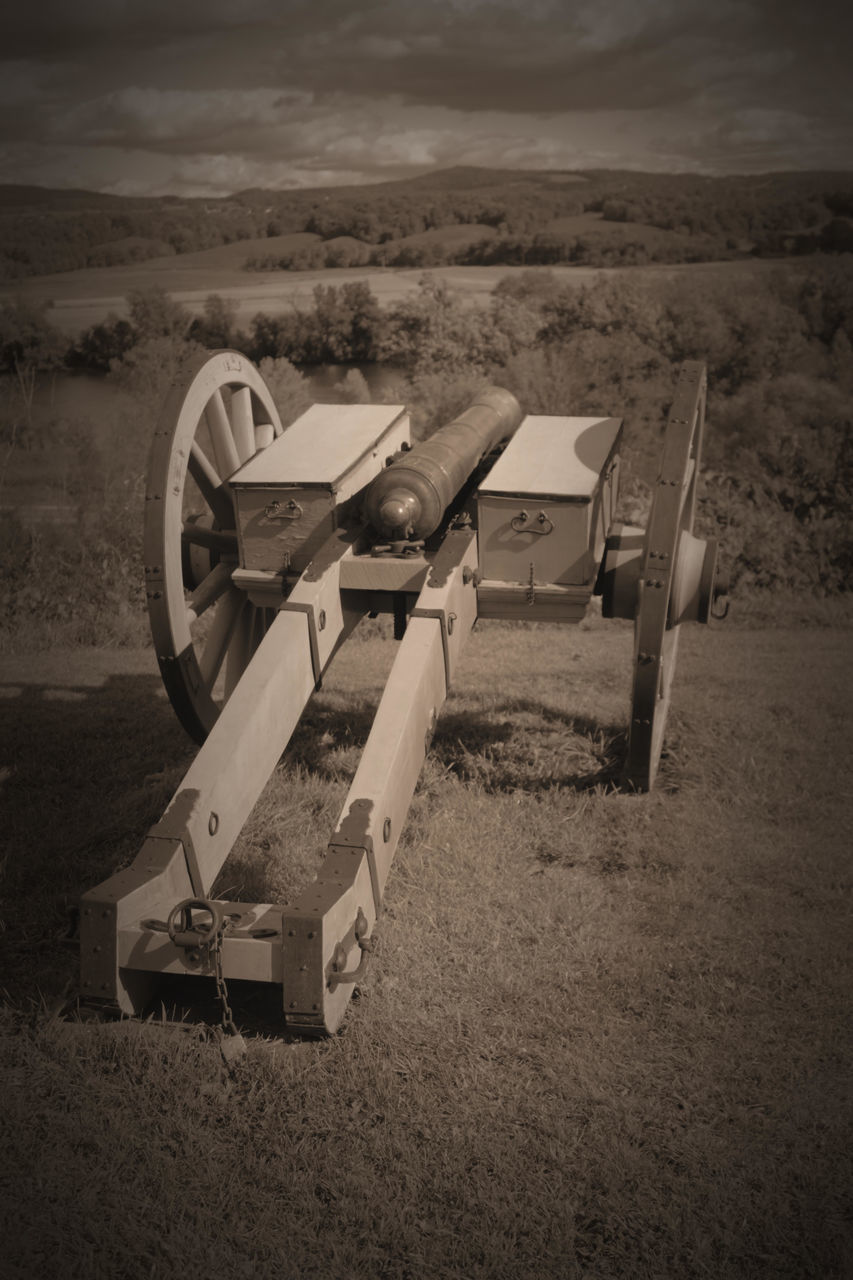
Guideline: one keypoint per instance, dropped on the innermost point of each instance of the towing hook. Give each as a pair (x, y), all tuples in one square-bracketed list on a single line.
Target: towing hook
[(337, 977), (193, 937)]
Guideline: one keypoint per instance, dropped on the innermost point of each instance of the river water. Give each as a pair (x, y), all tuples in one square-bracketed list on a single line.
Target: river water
[(93, 396), (71, 404)]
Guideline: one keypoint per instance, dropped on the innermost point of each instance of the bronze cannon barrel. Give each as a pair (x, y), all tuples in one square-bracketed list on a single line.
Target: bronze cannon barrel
[(408, 498)]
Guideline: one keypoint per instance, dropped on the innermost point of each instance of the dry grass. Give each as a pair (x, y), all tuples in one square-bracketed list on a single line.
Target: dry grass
[(593, 228), (79, 299), (603, 1035)]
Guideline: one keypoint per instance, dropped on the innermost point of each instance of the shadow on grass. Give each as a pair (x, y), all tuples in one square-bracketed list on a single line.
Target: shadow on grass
[(84, 771), (533, 747), (529, 746)]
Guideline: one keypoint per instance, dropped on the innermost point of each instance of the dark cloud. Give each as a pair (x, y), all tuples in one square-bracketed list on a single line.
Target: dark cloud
[(332, 88)]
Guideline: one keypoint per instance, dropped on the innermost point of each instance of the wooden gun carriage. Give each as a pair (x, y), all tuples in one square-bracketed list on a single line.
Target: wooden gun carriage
[(263, 550)]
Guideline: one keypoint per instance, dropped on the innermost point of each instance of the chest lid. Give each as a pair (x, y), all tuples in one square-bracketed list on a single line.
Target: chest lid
[(555, 457), (322, 447)]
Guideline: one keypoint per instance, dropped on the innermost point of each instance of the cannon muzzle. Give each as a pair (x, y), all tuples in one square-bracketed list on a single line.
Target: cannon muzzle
[(408, 499)]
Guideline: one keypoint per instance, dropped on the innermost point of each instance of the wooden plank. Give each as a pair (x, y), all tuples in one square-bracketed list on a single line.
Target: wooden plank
[(326, 443), (454, 599), (362, 848), (276, 542), (244, 956), (554, 537), (255, 725), (555, 457), (322, 920), (334, 616), (384, 573), (159, 875), (544, 604)]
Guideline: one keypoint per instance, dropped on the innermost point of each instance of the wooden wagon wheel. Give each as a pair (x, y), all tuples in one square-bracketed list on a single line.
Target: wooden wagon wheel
[(205, 628), (676, 576)]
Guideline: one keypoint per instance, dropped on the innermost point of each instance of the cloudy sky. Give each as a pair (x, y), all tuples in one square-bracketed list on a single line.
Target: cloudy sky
[(207, 97)]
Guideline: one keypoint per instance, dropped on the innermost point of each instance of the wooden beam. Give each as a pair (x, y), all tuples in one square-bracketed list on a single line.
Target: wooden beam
[(353, 877), (187, 847)]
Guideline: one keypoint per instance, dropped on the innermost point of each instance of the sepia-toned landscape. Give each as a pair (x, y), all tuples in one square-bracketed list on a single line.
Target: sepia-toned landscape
[(601, 1033)]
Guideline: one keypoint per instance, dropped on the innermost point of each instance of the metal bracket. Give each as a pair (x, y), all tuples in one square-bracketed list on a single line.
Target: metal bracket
[(338, 977), (523, 524), (354, 833), (174, 825), (292, 606), (449, 554), (276, 510), (402, 549), (447, 620)]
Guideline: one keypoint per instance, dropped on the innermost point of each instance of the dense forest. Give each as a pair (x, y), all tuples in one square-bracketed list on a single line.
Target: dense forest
[(591, 217), (778, 483)]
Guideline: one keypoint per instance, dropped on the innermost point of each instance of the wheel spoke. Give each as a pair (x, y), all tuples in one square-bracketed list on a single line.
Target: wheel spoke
[(255, 632), (689, 488), (224, 622), (222, 540), (240, 648), (209, 591), (214, 492), (224, 448), (205, 431), (243, 422)]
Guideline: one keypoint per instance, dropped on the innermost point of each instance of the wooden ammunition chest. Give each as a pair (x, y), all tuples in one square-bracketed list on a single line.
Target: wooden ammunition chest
[(544, 509), (291, 496)]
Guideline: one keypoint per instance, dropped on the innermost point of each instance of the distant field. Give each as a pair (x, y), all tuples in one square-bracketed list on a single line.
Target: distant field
[(592, 227), (79, 299), (456, 236)]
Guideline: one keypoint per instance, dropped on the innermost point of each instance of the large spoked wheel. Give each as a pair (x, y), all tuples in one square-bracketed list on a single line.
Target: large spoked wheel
[(676, 581), (205, 628)]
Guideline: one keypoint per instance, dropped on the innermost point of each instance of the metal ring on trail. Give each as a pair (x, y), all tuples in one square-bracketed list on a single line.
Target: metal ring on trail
[(184, 933)]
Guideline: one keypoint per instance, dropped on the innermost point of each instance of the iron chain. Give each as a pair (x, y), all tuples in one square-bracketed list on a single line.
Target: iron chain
[(227, 1017)]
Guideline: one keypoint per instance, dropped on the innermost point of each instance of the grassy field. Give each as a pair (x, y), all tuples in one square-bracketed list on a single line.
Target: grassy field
[(603, 1035), (79, 299)]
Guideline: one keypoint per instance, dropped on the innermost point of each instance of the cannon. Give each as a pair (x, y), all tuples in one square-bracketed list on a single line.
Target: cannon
[(264, 548)]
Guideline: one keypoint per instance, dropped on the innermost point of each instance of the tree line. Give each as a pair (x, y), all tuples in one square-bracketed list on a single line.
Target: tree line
[(777, 488), (45, 231)]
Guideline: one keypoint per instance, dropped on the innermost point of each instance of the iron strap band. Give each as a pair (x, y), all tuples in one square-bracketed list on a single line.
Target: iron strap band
[(366, 845), (292, 606), (173, 826), (441, 615)]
